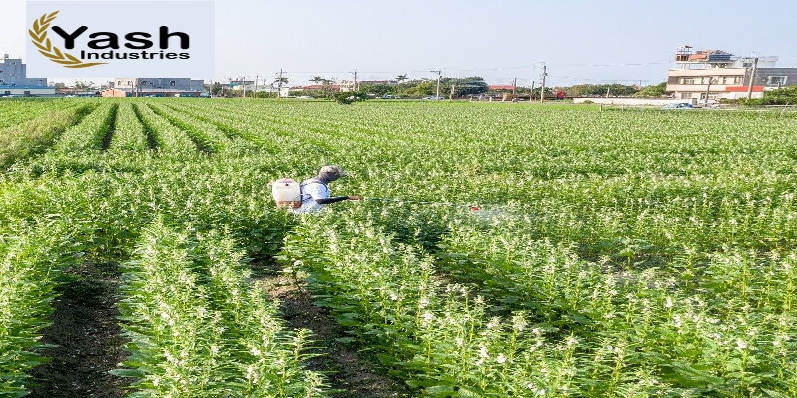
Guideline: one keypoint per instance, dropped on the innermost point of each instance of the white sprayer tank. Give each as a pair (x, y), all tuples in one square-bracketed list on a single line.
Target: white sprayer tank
[(287, 193)]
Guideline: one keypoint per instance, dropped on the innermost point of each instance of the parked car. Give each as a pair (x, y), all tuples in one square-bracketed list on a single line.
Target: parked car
[(678, 105)]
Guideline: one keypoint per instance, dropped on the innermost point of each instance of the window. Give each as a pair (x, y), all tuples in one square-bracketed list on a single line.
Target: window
[(730, 80), (686, 95), (687, 80), (776, 80)]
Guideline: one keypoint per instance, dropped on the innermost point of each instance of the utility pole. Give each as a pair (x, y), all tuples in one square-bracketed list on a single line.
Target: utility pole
[(451, 96), (752, 78), (708, 89), (437, 96), (514, 86), (531, 92), (257, 77), (542, 88), (279, 85), (355, 80), (243, 83)]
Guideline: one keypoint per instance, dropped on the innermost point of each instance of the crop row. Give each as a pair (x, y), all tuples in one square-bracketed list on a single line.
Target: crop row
[(35, 135), (196, 329), (598, 239), (719, 328)]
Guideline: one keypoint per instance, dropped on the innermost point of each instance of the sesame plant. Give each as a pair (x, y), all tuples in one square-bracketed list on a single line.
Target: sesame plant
[(501, 250), (195, 327)]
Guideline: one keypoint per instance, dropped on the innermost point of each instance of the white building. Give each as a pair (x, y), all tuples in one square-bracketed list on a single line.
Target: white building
[(717, 74), (14, 80)]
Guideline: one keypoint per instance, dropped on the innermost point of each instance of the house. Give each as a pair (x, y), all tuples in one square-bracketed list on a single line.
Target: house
[(155, 87), (14, 80), (715, 74)]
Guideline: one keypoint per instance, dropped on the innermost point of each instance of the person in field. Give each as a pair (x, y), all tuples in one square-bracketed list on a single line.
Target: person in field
[(315, 191)]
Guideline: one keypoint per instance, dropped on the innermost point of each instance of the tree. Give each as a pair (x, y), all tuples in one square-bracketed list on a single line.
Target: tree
[(326, 87), (465, 86), (348, 97), (378, 89), (85, 85), (654, 91), (401, 78), (422, 88), (781, 96), (279, 81), (600, 90), (215, 89), (317, 79)]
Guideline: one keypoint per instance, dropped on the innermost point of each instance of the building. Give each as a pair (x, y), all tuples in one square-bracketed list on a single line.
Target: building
[(155, 87), (14, 80), (714, 74)]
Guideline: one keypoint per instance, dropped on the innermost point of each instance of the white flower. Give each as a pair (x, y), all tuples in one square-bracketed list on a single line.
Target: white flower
[(740, 344), (483, 352), (518, 323), (428, 316), (538, 392), (423, 302), (668, 302), (500, 358)]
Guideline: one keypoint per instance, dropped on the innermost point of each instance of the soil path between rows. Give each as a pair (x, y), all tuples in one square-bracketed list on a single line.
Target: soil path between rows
[(347, 370), (87, 341)]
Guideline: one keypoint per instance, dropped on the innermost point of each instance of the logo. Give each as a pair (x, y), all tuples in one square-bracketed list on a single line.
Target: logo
[(40, 40), (121, 38)]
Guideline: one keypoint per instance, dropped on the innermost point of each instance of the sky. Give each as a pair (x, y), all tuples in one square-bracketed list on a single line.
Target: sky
[(577, 41)]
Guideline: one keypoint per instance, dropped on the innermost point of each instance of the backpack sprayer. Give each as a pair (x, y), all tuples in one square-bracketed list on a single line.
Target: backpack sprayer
[(287, 193)]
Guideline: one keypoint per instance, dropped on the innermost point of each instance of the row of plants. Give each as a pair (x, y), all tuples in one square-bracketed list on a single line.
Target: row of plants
[(436, 336), (719, 327), (570, 203), (196, 328), (27, 137), (90, 132), (129, 134), (30, 260)]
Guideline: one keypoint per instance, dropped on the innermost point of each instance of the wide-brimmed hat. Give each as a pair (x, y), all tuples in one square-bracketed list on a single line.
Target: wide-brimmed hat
[(332, 172)]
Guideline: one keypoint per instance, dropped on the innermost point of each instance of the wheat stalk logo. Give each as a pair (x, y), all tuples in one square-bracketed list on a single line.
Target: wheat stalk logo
[(39, 36)]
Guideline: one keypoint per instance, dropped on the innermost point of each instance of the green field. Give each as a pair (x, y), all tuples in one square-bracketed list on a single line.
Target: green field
[(501, 249)]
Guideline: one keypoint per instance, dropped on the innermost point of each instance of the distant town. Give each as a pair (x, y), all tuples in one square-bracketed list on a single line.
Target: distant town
[(699, 76)]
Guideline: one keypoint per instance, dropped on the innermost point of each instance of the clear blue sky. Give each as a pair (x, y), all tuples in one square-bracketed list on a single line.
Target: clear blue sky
[(580, 41)]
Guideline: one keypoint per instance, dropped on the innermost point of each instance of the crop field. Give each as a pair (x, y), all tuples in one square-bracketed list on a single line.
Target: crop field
[(501, 250)]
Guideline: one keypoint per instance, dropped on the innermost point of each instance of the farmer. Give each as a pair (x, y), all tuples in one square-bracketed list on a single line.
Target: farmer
[(315, 191)]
